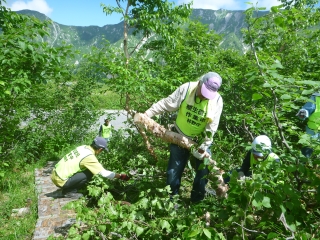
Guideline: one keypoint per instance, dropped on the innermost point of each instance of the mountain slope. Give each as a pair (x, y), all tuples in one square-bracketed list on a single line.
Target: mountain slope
[(225, 22)]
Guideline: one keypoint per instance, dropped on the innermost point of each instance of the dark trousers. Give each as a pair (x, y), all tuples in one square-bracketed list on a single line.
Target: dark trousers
[(178, 159), (77, 181)]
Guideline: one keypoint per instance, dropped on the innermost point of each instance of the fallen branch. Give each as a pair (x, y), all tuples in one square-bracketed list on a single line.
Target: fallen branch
[(144, 122)]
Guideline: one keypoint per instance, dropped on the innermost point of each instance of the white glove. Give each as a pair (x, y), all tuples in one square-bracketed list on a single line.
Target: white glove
[(198, 155), (241, 176)]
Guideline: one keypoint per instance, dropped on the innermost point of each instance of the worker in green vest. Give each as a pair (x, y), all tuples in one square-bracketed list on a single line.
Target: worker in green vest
[(260, 153), (77, 168), (311, 110), (105, 129), (199, 106)]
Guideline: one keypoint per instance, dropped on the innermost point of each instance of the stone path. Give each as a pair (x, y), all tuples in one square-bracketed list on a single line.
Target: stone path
[(52, 219)]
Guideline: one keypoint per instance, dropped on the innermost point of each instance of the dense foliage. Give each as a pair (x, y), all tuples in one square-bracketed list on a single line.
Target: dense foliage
[(262, 91)]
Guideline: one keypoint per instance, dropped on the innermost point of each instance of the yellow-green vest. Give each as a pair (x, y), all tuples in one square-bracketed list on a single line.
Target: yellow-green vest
[(192, 120), (314, 119), (265, 163), (106, 131), (70, 163)]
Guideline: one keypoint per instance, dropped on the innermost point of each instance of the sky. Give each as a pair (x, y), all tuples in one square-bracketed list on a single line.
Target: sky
[(89, 12)]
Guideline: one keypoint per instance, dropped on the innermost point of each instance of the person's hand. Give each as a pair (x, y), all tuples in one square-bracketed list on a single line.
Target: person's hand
[(197, 154), (124, 177), (241, 176), (302, 114)]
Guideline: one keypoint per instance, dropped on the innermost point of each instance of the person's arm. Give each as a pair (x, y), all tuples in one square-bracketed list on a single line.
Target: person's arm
[(246, 163), (212, 126), (170, 104), (94, 166), (111, 175)]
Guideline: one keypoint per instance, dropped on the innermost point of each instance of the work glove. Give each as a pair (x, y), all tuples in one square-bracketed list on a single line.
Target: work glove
[(124, 177), (198, 155), (302, 114), (241, 176)]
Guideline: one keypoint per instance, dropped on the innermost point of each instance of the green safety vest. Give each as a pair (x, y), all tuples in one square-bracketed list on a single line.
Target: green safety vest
[(314, 119), (106, 131), (70, 163), (192, 119), (265, 163)]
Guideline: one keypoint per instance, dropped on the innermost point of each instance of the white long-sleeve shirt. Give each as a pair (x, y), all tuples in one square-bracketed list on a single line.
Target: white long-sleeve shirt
[(172, 103)]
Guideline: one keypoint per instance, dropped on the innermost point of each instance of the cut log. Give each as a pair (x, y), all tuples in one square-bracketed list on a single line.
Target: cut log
[(143, 121)]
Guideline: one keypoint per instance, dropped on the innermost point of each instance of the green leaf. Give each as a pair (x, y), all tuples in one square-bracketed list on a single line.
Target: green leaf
[(207, 233), (256, 96), (194, 233), (102, 228), (266, 202), (30, 47), (220, 235), (164, 224), (285, 97), (291, 168), (22, 45), (272, 235), (139, 231), (86, 236), (250, 219), (307, 92), (283, 209), (257, 204), (267, 85), (274, 9), (279, 21), (308, 82)]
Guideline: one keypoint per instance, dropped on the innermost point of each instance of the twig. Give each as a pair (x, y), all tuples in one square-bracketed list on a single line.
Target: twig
[(254, 231), (246, 128), (287, 227)]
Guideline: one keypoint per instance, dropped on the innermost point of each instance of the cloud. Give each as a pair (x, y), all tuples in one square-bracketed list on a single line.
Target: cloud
[(36, 5), (229, 4)]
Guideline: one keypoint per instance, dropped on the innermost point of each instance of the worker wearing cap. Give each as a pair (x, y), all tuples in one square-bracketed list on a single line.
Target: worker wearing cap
[(77, 168), (105, 129), (260, 153), (199, 106)]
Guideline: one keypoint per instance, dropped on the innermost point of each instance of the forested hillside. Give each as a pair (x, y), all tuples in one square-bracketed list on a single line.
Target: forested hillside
[(224, 22), (262, 90)]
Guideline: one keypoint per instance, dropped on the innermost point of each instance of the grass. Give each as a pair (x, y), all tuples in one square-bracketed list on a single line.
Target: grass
[(18, 191), (104, 99)]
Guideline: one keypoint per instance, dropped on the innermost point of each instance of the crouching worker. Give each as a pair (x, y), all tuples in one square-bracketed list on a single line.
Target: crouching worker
[(261, 153), (77, 168)]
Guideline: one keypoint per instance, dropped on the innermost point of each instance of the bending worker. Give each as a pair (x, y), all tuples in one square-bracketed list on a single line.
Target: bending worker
[(260, 153), (77, 168), (199, 107), (311, 110)]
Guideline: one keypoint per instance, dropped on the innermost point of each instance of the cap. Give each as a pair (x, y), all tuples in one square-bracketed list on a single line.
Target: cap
[(101, 142), (211, 82)]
